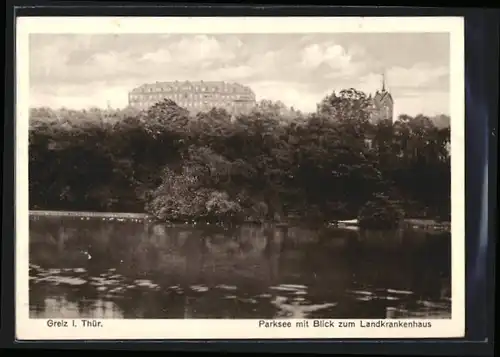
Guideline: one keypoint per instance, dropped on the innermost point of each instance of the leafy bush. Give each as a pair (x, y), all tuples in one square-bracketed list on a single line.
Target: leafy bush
[(380, 213), (220, 206)]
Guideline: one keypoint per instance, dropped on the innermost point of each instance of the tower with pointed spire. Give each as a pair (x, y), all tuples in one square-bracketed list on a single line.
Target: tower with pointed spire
[(382, 104)]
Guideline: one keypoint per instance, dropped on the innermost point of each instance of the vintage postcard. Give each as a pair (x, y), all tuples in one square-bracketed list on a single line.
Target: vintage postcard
[(223, 178)]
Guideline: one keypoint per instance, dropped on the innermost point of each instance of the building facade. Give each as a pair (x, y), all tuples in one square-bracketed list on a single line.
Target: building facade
[(195, 96), (382, 105), (381, 108)]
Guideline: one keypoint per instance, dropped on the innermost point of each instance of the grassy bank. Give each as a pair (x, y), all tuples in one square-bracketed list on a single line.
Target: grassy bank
[(79, 214), (409, 223)]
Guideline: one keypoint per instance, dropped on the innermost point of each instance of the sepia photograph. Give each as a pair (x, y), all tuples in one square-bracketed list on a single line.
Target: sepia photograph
[(294, 172)]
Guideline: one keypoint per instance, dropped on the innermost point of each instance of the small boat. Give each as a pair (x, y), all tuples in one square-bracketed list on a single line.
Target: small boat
[(347, 223), (350, 222)]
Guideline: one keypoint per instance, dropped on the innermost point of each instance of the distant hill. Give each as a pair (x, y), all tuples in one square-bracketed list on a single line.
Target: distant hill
[(441, 121)]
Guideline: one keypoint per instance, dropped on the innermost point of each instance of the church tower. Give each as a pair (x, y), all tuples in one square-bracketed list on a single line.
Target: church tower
[(382, 104)]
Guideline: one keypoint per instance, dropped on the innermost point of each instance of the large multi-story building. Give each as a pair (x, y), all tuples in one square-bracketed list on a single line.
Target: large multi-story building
[(195, 96), (382, 105)]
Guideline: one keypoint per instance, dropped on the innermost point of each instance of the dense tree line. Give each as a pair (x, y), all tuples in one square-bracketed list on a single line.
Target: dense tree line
[(272, 163)]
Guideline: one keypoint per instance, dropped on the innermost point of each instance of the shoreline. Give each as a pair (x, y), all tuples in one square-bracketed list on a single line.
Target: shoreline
[(416, 223), (89, 214)]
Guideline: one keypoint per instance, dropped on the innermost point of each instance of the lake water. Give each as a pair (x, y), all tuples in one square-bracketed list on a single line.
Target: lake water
[(95, 268)]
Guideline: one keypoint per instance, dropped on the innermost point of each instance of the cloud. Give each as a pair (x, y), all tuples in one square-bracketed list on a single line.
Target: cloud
[(418, 89), (330, 54), (292, 94), (417, 77), (429, 103), (47, 60), (84, 70), (421, 75), (196, 49), (79, 96), (235, 72), (108, 62), (160, 56)]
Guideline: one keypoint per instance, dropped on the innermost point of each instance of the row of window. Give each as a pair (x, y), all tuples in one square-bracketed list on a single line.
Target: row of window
[(195, 88), (196, 104), (186, 95)]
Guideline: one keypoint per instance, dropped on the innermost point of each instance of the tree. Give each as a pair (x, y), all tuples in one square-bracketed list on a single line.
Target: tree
[(350, 105), (265, 165), (380, 213)]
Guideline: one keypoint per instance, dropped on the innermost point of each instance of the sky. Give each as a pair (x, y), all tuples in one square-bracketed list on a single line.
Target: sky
[(91, 70)]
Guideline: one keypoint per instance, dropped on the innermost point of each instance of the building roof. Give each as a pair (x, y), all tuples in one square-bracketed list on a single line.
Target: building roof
[(207, 84), (381, 95)]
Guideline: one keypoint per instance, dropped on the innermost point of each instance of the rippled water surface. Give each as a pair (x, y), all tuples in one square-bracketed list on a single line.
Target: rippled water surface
[(122, 269)]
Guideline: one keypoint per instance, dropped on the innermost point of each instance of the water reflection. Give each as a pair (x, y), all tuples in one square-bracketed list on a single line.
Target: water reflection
[(91, 268)]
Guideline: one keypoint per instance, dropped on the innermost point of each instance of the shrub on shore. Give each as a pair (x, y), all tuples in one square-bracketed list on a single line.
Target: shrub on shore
[(380, 213)]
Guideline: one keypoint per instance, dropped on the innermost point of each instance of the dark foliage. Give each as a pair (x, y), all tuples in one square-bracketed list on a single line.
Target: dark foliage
[(270, 164), (380, 213)]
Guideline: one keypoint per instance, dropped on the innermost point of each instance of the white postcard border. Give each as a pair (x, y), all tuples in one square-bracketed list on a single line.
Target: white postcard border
[(38, 329)]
